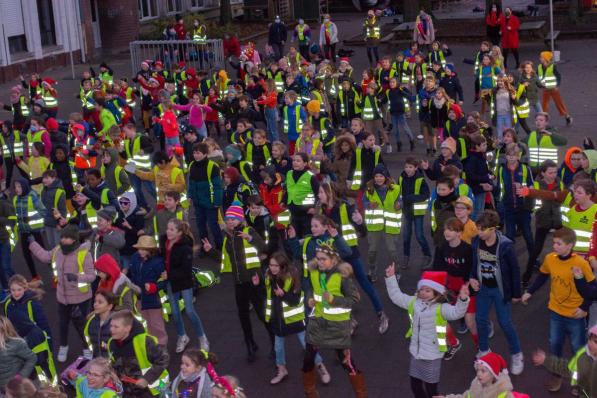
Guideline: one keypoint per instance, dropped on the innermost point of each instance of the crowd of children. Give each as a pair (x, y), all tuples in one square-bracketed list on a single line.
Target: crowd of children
[(106, 199)]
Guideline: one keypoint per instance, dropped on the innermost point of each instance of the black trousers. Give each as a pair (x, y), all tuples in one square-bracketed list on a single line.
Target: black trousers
[(344, 356), (27, 253), (422, 389), (514, 51), (77, 313), (246, 294), (373, 51)]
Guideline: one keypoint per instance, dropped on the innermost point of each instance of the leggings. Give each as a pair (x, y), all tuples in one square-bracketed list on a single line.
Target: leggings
[(345, 357), (329, 51), (514, 52), (77, 313), (422, 389), (373, 51), (27, 252)]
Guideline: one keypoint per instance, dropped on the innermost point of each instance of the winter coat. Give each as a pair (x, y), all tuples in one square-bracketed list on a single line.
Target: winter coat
[(509, 28), (334, 215), (22, 207), (407, 191), (508, 197), (549, 215), (110, 242), (277, 33), (116, 282), (18, 311), (99, 334), (453, 87), (199, 386), (7, 223), (532, 90), (236, 250), (367, 164), (125, 361), (276, 322), (148, 271), (296, 246), (136, 221), (501, 385), (587, 372), (109, 172), (334, 334), (48, 195), (477, 171), (180, 272), (199, 187), (423, 342), (443, 209), (507, 272), (272, 199), (162, 179), (333, 35), (15, 358), (435, 171), (68, 292), (63, 169)]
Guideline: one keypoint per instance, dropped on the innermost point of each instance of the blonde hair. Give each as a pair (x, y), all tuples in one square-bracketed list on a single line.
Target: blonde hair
[(106, 368), (7, 332), (20, 280)]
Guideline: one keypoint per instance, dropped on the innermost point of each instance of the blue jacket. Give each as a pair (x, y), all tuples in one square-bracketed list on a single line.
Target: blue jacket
[(141, 273), (22, 206), (199, 188), (508, 272), (476, 170), (18, 313), (87, 392), (507, 193), (293, 135)]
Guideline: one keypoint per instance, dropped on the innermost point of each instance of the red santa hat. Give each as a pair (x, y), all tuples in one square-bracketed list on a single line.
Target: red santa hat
[(48, 81), (345, 59), (159, 63), (495, 363), (435, 280)]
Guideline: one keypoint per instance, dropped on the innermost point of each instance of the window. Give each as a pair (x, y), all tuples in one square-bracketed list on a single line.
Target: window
[(174, 6), (147, 9), (45, 14), (198, 3), (17, 44)]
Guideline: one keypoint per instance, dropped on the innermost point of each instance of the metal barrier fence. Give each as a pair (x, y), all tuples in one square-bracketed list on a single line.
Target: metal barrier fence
[(209, 56)]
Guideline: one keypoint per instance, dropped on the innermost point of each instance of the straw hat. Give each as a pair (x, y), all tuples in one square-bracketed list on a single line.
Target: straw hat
[(146, 242)]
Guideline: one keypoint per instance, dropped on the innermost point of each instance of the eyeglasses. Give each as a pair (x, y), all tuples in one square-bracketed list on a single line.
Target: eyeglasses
[(124, 202)]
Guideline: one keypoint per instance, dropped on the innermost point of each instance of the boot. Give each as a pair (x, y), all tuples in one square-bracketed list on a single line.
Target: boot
[(358, 385), (309, 380)]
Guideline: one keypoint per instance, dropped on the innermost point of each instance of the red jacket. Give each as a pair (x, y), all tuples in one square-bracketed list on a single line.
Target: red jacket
[(212, 116), (271, 100), (509, 29), (493, 19), (272, 199), (169, 124), (231, 47)]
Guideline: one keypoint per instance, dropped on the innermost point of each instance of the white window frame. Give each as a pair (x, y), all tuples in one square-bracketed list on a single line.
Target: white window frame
[(175, 3), (152, 6)]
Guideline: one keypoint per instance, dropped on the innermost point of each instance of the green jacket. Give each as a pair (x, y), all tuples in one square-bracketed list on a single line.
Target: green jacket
[(587, 372)]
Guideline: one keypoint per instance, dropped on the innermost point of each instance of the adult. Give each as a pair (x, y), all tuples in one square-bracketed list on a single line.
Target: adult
[(15, 355), (277, 37), (509, 25), (424, 33), (492, 22), (302, 34), (231, 46), (328, 37)]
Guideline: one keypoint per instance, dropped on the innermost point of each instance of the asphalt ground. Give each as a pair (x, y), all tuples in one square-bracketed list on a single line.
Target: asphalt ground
[(383, 359)]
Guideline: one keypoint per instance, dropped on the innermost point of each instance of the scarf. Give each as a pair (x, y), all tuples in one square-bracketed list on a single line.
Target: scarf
[(68, 249)]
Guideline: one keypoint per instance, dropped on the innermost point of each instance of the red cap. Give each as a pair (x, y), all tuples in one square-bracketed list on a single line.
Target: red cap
[(159, 63), (181, 64), (52, 124)]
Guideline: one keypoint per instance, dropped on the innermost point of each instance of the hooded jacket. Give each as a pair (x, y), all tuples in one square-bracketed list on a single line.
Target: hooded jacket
[(15, 358), (125, 362), (22, 206), (48, 198), (110, 242), (591, 154), (7, 223), (180, 271), (136, 221), (200, 191), (501, 385), (116, 282), (110, 174), (63, 169), (68, 292), (566, 171)]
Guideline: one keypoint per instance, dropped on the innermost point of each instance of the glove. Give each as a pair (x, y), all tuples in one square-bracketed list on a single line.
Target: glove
[(71, 277), (31, 239)]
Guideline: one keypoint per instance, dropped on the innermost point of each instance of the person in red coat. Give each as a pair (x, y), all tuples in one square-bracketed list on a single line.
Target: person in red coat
[(492, 22), (509, 25), (231, 46)]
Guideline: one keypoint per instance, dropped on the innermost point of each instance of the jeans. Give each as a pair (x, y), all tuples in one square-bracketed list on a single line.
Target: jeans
[(400, 120), (202, 131), (173, 142), (503, 122), (407, 221), (537, 106), (522, 219), (281, 352), (559, 327), (478, 206), (6, 270), (189, 309), (271, 120), (208, 217), (138, 185), (361, 276), (486, 297)]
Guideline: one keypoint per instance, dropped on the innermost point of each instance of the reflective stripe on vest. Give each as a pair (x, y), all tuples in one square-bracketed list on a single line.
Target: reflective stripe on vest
[(547, 77), (332, 285), (34, 219), (300, 192), (81, 254), (297, 119), (251, 255), (385, 214), (573, 366), (290, 313), (441, 325), (541, 149), (357, 178), (419, 208), (348, 232), (582, 224)]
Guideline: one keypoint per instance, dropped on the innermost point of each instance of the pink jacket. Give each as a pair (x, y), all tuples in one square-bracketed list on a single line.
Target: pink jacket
[(196, 113), (68, 292)]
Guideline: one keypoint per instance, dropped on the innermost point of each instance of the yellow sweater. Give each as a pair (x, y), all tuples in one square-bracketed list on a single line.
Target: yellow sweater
[(35, 167), (163, 180)]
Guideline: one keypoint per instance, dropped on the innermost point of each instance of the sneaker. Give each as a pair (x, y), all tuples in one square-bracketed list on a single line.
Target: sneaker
[(405, 263), (568, 120), (517, 366), (372, 276), (88, 354), (181, 343), (420, 137), (204, 343), (482, 353), (62, 353), (281, 374), (353, 325), (491, 329), (389, 148), (384, 323), (452, 350), (427, 262), (462, 329), (554, 383), (324, 376)]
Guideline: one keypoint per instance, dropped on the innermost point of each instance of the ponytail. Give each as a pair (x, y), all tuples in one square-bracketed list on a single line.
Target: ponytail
[(184, 227)]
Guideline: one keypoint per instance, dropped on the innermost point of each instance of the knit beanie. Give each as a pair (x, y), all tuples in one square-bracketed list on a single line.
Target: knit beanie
[(495, 363), (381, 169), (457, 110), (70, 231), (232, 173), (52, 124), (233, 151), (449, 143), (235, 211), (313, 106), (107, 213), (547, 55), (435, 280)]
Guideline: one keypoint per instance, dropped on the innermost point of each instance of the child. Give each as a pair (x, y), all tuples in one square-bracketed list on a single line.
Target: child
[(293, 118), (492, 379), (429, 315), (463, 207), (415, 197), (132, 224), (194, 380), (97, 328), (258, 218), (108, 238), (550, 79), (285, 312), (227, 387), (477, 173), (495, 277), (398, 98), (144, 272), (280, 160), (166, 174), (347, 102), (442, 208), (257, 151), (171, 209), (565, 302), (426, 95), (36, 164), (373, 115), (30, 213), (269, 101), (366, 157), (310, 143), (271, 193), (439, 106), (111, 279), (383, 216), (447, 158), (302, 187), (53, 197), (451, 84), (581, 368), (115, 175), (438, 54), (487, 75), (100, 380)]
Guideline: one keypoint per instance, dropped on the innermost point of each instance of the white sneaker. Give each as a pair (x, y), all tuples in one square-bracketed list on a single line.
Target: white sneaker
[(181, 343), (204, 343), (62, 353), (88, 354), (388, 148), (482, 353), (324, 375), (491, 329), (517, 364)]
